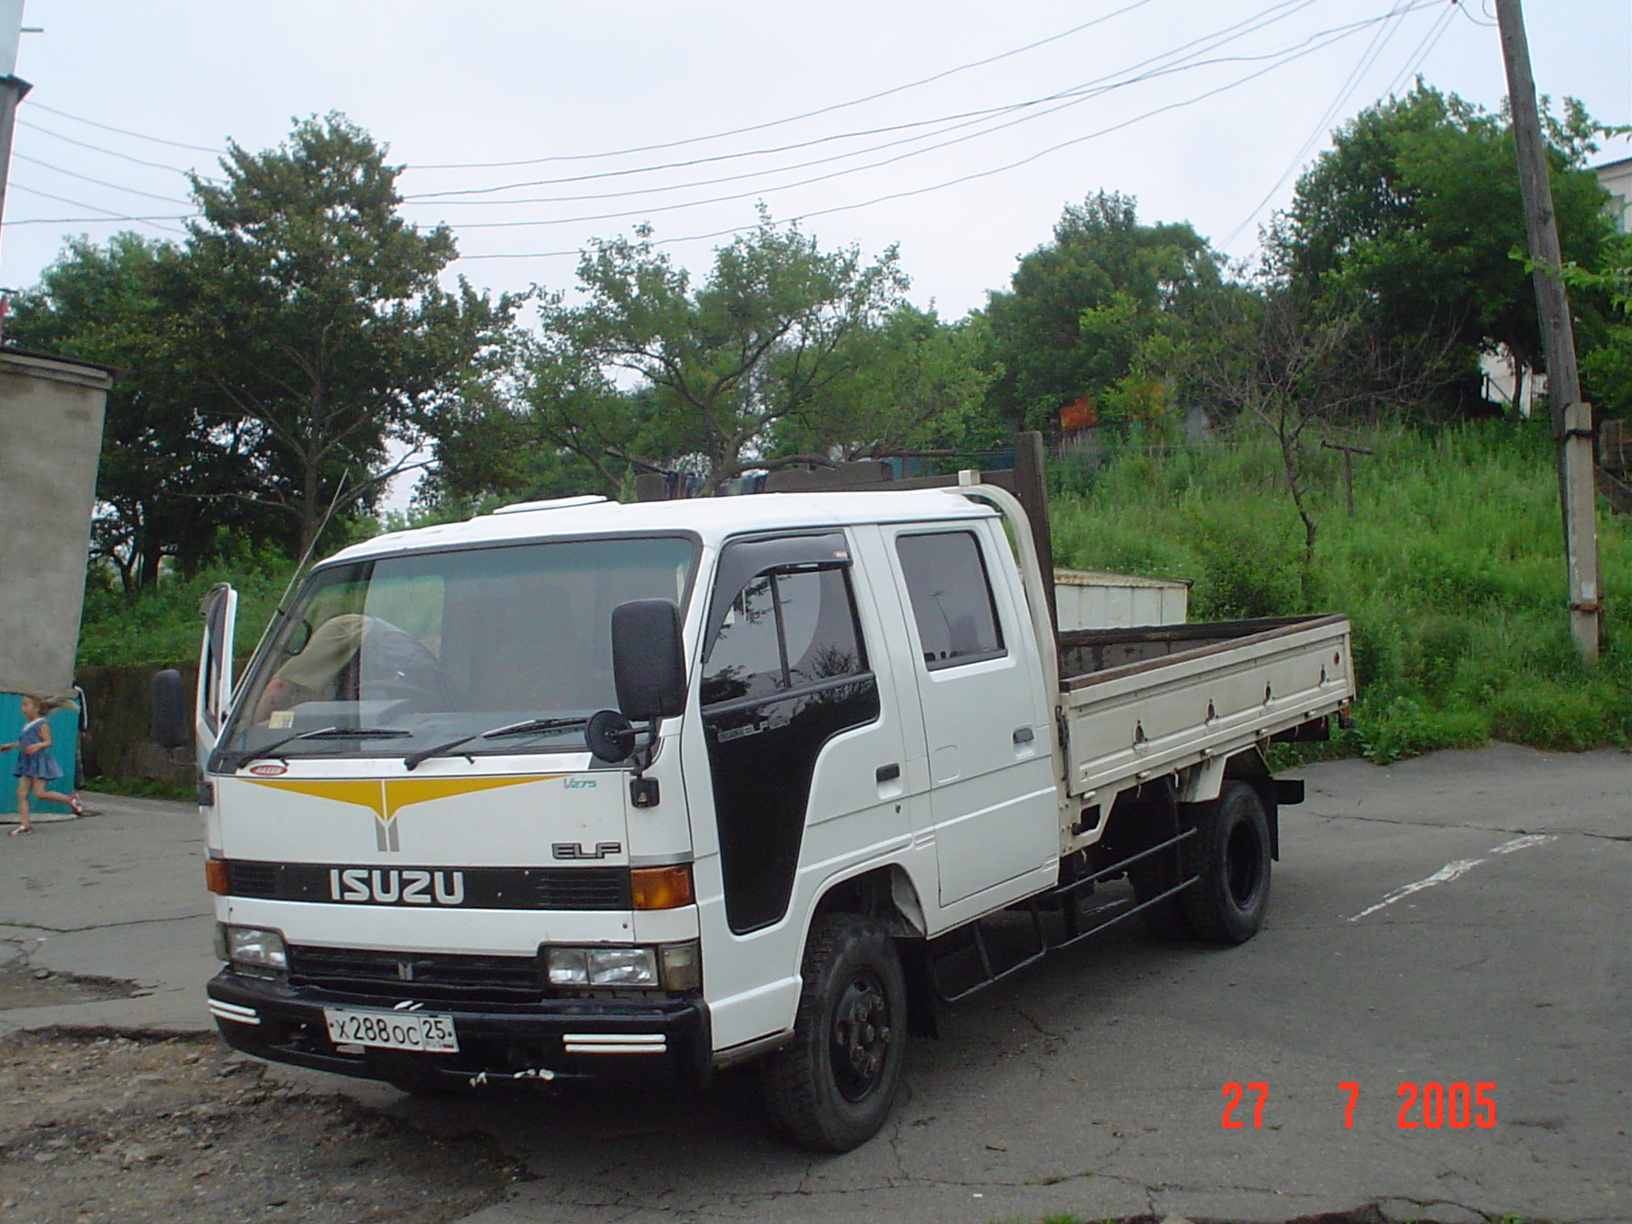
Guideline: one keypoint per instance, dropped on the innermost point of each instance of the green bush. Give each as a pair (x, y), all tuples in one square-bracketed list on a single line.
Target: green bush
[(162, 625)]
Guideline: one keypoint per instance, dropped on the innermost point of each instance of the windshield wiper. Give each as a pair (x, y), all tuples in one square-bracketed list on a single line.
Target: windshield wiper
[(413, 759), (270, 751)]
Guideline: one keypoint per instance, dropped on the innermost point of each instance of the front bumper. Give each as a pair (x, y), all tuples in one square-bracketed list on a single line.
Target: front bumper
[(661, 1042)]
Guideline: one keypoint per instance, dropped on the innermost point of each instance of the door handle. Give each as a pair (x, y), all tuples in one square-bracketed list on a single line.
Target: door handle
[(1023, 735), (888, 773)]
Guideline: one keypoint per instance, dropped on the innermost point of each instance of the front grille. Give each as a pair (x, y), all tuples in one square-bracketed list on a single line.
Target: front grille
[(425, 975), (582, 888), (253, 879)]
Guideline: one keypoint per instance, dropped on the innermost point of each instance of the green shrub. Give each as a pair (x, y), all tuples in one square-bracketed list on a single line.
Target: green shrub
[(162, 625), (1406, 727)]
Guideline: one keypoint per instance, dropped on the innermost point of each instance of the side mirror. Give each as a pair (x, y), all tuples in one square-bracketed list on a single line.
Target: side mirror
[(171, 721), (648, 663)]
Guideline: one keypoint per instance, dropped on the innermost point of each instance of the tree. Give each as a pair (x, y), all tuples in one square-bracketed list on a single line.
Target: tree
[(317, 325), (1081, 311), (909, 381), (1303, 365), (117, 305), (1416, 210), (558, 434), (1606, 367), (719, 368)]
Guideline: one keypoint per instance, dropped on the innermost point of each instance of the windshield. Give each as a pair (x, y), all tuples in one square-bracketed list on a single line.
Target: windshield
[(396, 654)]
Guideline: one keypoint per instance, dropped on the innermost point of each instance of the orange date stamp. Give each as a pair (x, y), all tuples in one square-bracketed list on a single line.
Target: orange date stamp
[(1429, 1105)]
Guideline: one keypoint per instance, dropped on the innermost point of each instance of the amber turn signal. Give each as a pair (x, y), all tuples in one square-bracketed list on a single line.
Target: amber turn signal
[(655, 888), (216, 878)]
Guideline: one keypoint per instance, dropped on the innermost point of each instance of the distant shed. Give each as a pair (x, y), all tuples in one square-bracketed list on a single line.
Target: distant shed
[(1091, 599)]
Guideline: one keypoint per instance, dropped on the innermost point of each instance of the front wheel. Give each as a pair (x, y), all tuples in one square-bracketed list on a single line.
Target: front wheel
[(1227, 904), (832, 1088)]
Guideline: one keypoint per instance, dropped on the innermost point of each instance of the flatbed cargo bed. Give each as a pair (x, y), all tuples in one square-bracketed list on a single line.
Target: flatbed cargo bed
[(1142, 703)]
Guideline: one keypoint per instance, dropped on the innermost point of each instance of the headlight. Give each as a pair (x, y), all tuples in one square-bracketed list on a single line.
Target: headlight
[(253, 949), (672, 966)]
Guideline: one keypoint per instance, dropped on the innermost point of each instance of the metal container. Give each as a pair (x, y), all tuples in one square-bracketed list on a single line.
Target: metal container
[(1089, 599)]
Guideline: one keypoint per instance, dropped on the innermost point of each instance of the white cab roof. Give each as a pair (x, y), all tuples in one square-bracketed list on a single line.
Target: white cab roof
[(712, 518)]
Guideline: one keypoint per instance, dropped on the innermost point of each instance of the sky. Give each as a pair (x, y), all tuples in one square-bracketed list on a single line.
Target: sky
[(1033, 104), (956, 131)]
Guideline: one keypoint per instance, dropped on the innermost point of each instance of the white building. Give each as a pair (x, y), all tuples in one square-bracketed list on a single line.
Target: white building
[(1616, 178)]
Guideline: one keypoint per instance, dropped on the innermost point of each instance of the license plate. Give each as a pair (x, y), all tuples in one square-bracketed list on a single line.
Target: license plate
[(392, 1030)]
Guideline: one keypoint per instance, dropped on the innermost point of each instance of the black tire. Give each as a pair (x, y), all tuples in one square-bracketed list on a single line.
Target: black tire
[(834, 1086), (1227, 904)]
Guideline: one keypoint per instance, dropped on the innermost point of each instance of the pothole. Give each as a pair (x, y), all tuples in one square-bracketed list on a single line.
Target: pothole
[(29, 986)]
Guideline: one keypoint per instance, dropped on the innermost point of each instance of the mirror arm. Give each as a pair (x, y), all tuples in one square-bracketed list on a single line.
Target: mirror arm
[(643, 754)]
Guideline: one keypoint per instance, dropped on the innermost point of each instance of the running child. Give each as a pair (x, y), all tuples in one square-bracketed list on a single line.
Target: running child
[(35, 763)]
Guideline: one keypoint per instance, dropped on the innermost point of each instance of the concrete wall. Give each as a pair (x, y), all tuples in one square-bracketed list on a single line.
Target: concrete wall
[(118, 741), (50, 441)]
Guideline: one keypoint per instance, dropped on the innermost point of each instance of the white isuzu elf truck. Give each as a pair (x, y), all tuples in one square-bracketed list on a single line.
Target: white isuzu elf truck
[(577, 790)]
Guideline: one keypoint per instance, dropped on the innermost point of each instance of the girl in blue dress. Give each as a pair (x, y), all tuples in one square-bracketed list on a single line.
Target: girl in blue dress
[(35, 764)]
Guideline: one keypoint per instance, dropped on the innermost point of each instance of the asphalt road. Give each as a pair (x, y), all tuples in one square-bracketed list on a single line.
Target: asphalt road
[(1462, 919)]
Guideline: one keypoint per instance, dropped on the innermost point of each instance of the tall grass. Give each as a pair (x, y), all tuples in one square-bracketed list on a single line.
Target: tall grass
[(1451, 570)]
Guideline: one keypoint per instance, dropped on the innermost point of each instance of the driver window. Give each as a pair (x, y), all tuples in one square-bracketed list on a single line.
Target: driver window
[(783, 632)]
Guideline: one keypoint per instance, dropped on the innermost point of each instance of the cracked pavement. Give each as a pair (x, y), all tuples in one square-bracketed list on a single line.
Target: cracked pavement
[(118, 895), (1092, 1084)]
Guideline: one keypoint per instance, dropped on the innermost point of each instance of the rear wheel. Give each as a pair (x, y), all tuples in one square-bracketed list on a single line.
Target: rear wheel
[(834, 1086), (1227, 904)]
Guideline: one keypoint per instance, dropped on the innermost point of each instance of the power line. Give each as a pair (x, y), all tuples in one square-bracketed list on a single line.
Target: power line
[(1368, 57), (99, 149), (108, 127), (1488, 25), (1284, 55), (1262, 18), (94, 208), (99, 182), (1435, 33), (771, 123), (110, 220), (1073, 96), (805, 216)]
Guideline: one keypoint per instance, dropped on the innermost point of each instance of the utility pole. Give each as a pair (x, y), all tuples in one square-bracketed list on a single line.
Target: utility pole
[(12, 87), (1571, 419)]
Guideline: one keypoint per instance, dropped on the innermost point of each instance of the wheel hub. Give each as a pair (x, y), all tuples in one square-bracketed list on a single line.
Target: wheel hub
[(860, 1037)]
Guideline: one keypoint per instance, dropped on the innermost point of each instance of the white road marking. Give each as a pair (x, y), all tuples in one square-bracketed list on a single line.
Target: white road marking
[(1454, 869), (1524, 843)]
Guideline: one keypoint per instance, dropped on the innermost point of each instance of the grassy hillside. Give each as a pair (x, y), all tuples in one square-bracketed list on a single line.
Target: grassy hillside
[(1451, 569)]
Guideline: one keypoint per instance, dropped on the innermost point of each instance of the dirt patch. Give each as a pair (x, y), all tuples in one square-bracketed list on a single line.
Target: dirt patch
[(22, 985), (109, 1130)]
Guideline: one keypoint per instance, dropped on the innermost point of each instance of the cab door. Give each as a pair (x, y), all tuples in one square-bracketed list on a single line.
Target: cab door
[(804, 765), (214, 696), (986, 726)]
